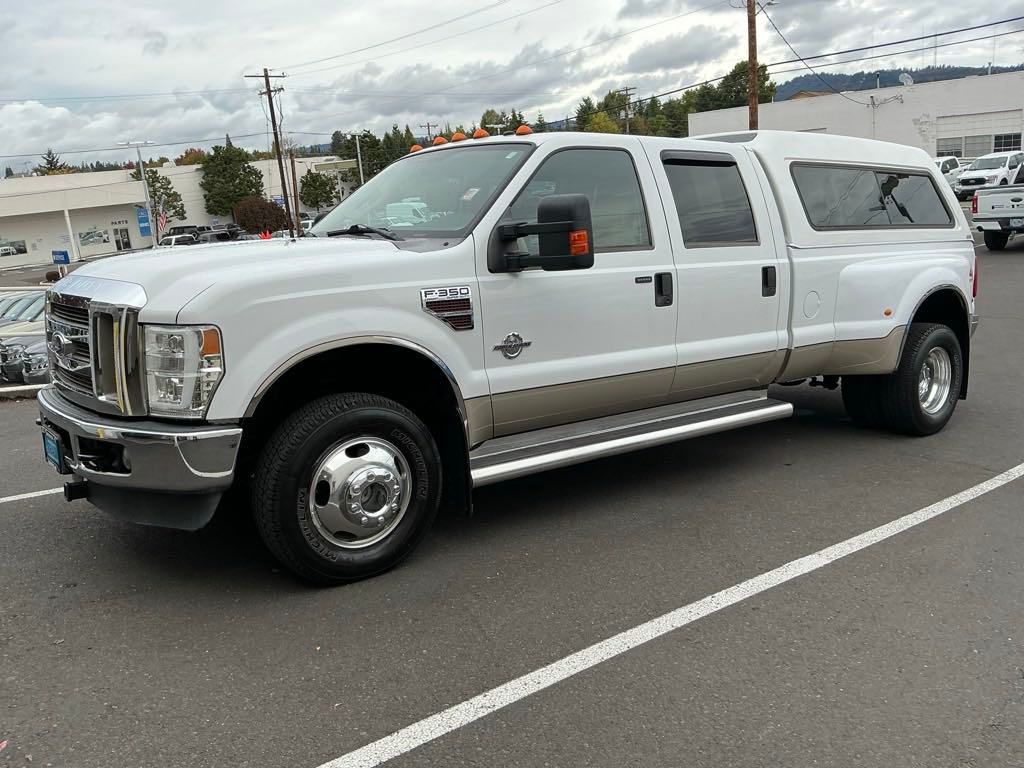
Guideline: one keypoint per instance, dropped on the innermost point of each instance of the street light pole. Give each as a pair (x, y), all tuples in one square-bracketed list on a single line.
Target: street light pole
[(145, 184)]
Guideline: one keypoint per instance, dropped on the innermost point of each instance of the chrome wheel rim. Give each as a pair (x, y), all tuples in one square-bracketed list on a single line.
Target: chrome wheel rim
[(359, 492), (935, 380)]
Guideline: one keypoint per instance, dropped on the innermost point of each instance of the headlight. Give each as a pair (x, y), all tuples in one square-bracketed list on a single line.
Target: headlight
[(990, 179), (184, 364), (11, 352), (35, 363)]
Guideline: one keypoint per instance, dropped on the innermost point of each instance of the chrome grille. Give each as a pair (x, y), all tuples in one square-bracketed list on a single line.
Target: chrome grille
[(68, 338)]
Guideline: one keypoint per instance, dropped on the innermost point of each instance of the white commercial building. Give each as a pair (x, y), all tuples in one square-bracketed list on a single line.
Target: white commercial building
[(967, 117), (92, 214)]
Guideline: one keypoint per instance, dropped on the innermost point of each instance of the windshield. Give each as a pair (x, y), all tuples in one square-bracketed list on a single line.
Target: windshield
[(33, 309), (438, 194), (6, 303), (988, 163), (17, 307)]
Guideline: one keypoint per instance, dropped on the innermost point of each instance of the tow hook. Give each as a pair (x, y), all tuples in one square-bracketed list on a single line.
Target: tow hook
[(75, 490)]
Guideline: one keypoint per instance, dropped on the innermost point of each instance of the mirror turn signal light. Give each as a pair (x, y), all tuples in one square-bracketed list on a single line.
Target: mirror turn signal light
[(579, 242)]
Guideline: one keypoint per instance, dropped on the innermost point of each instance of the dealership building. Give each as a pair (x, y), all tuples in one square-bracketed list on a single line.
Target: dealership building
[(967, 117), (92, 214)]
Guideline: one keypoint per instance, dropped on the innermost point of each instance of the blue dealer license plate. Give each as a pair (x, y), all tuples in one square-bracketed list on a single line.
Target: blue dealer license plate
[(53, 451)]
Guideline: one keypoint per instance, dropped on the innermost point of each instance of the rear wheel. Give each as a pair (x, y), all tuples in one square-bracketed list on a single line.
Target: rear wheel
[(920, 396), (996, 241), (346, 487)]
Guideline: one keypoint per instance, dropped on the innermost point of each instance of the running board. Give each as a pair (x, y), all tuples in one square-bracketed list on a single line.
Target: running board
[(518, 455)]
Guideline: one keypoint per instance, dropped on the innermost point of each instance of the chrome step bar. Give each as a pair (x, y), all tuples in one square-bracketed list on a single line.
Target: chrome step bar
[(519, 455)]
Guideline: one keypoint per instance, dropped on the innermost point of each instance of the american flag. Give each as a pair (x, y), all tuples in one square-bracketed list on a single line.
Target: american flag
[(161, 222)]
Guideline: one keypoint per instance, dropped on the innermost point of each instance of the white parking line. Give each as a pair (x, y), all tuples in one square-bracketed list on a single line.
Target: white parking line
[(453, 718), (32, 495)]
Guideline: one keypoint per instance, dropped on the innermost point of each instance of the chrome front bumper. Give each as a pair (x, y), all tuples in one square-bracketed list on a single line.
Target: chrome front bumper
[(153, 456)]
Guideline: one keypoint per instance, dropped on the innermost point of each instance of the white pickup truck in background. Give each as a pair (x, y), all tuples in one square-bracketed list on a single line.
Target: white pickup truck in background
[(544, 300), (993, 170), (998, 214)]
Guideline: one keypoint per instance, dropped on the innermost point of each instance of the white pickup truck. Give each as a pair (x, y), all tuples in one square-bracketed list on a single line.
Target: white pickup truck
[(569, 296), (998, 214)]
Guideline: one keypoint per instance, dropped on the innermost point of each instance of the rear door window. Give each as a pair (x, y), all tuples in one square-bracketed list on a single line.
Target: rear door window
[(711, 202)]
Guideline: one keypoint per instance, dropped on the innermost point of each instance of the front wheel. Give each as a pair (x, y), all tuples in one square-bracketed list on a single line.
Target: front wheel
[(920, 396), (346, 487), (996, 241)]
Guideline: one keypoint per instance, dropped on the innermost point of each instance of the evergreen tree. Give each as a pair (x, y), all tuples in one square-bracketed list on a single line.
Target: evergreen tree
[(318, 190), (162, 195), (584, 111), (541, 125), (227, 141), (228, 178), (8, 172), (52, 164)]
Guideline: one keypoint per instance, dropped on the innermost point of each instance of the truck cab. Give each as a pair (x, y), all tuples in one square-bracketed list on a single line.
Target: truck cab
[(555, 298)]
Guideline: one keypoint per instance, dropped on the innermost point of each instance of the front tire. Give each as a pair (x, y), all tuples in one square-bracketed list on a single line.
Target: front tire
[(346, 487), (996, 241), (920, 396)]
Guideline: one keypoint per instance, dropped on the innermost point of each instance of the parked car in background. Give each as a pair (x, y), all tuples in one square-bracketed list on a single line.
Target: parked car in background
[(35, 363), (11, 364), (8, 250), (215, 236), (989, 171), (181, 229), (21, 310), (29, 322), (9, 298), (231, 228), (998, 214), (247, 236), (950, 168), (178, 240)]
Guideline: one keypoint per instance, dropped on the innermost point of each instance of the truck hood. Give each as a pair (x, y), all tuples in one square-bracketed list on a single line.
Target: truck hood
[(171, 277)]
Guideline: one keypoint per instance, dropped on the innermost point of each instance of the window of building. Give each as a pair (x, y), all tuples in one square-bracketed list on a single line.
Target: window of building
[(608, 178), (954, 146), (711, 202), (863, 198), (1007, 142), (976, 146)]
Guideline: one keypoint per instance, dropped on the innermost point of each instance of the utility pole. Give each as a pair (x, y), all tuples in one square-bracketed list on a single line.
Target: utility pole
[(295, 192), (145, 184), (628, 90), (428, 125), (359, 160), (752, 64), (269, 93)]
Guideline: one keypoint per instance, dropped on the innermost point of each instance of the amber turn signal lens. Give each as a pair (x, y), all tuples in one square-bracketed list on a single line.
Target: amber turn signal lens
[(440, 140), (524, 130), (415, 148), (579, 242)]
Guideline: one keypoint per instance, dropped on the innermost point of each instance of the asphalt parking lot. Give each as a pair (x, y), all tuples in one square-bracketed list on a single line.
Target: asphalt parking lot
[(129, 646)]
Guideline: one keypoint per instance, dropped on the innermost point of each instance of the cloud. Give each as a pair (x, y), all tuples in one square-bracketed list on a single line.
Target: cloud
[(156, 42), (639, 8), (696, 45)]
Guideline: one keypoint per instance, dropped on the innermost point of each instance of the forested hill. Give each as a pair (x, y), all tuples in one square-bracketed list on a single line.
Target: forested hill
[(889, 77)]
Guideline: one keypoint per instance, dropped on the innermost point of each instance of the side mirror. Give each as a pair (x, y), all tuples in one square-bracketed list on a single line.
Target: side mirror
[(564, 232)]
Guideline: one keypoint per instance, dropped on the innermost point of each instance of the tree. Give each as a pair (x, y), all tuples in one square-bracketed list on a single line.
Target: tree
[(600, 122), (584, 111), (162, 195), (318, 190), (8, 172), (52, 164), (191, 156), (731, 90), (541, 125), (492, 117), (228, 178), (255, 215), (227, 141)]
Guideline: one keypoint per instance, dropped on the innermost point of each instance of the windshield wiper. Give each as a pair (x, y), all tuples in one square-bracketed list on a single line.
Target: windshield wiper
[(365, 231)]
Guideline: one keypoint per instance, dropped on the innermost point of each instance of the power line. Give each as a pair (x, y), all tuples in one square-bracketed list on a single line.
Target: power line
[(121, 149), (892, 54), (804, 62), (400, 37), (429, 42)]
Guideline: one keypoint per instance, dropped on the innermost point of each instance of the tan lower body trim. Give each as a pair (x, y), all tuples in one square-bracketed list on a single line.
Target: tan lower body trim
[(852, 357), (529, 409)]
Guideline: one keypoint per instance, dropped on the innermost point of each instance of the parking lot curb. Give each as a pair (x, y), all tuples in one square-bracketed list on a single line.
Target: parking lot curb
[(20, 393)]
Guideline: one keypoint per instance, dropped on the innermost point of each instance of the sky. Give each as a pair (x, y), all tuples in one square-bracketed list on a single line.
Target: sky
[(85, 75)]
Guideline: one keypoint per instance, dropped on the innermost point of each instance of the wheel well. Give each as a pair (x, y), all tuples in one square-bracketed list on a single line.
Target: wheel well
[(401, 374), (946, 306)]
